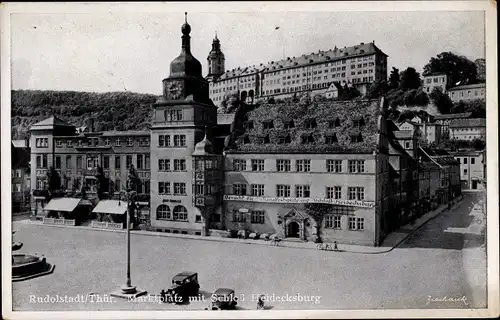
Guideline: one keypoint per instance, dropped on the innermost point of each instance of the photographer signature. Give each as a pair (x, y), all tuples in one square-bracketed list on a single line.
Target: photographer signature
[(447, 299)]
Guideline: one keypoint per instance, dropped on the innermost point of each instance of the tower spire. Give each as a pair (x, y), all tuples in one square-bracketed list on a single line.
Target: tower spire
[(216, 35), (185, 17)]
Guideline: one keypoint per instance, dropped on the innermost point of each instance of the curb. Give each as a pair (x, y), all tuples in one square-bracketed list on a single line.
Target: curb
[(254, 242)]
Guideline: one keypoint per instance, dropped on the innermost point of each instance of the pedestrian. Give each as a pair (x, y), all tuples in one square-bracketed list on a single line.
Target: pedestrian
[(335, 247), (260, 302)]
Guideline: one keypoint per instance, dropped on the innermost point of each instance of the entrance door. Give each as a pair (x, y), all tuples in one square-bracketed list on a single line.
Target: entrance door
[(293, 229), (474, 184)]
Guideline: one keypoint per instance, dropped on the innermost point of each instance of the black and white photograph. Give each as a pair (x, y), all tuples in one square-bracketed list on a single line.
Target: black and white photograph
[(253, 159)]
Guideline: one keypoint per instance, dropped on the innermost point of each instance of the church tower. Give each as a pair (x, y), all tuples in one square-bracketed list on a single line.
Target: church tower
[(216, 61), (182, 117)]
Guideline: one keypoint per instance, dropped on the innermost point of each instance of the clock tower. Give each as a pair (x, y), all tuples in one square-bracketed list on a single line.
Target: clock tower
[(182, 117)]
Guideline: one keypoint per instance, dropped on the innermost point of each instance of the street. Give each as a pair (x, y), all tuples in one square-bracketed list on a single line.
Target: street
[(418, 274)]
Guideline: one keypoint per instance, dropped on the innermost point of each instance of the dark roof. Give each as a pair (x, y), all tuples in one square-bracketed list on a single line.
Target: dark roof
[(468, 86), (306, 59), (50, 123), (126, 133), (20, 157), (322, 112), (440, 156), (468, 123), (184, 274), (453, 116)]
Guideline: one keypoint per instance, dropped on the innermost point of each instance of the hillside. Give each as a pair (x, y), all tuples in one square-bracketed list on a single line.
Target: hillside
[(110, 110)]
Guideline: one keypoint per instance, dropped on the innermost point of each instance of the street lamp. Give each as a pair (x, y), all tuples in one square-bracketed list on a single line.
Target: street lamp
[(127, 290)]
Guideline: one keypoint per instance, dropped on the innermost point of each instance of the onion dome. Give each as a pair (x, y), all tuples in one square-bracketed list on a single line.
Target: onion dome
[(204, 147), (185, 64)]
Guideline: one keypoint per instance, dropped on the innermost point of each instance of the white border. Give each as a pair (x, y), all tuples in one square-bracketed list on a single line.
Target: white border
[(492, 151)]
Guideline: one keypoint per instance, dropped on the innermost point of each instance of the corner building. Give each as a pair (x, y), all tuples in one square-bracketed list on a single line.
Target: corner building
[(182, 116)]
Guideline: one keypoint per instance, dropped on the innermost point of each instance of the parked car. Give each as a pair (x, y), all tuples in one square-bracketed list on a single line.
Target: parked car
[(223, 299), (184, 285)]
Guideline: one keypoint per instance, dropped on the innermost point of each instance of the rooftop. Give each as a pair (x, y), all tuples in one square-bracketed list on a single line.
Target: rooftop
[(225, 118), (453, 116), (469, 86), (50, 123), (330, 126), (467, 123), (335, 54)]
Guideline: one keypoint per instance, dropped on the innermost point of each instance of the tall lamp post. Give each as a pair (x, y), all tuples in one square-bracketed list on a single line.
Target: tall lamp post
[(127, 290)]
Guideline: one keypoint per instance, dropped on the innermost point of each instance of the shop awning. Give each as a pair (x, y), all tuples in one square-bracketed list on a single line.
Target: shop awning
[(111, 207), (62, 204)]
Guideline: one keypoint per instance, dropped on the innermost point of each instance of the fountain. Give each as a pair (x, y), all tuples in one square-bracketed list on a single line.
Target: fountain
[(27, 266)]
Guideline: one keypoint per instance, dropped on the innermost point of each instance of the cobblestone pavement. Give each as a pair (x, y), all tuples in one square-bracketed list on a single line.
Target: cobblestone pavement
[(428, 264)]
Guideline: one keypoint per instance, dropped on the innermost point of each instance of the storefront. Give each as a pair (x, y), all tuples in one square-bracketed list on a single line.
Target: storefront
[(111, 211), (68, 208)]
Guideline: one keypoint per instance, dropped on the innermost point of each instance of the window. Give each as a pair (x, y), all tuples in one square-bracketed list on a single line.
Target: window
[(283, 165), (118, 142), (179, 165), (268, 124), (357, 138), (283, 190), (249, 125), (472, 160), (180, 213), (257, 190), (147, 161), (310, 123), (68, 162), (163, 165), (330, 139), (163, 187), (163, 212), (239, 165), (130, 142), (147, 189), (179, 188), (257, 165), (105, 162), (173, 115), (117, 185), (465, 160), (238, 216), (197, 218), (288, 124), (332, 222), (356, 193), (117, 162), (302, 191), (465, 171), (257, 217), (356, 166), (42, 142), (128, 161), (58, 162), (140, 161), (164, 141), (58, 143), (240, 189), (334, 165), (303, 165), (179, 140), (356, 223), (106, 142)]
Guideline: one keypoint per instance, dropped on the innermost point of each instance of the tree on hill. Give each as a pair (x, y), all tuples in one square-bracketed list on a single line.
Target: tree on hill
[(377, 89), (410, 79), (54, 181), (458, 69), (348, 93), (476, 107), (442, 102), (394, 78)]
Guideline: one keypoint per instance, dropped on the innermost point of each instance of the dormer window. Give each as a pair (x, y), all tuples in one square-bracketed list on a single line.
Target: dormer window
[(358, 123), (106, 141), (249, 125), (305, 139), (59, 143), (331, 139), (284, 139), (356, 138), (310, 123), (69, 143), (130, 142), (288, 124), (268, 124), (118, 142), (266, 140)]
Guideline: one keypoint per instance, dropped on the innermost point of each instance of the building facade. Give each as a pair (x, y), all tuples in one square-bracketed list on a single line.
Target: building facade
[(468, 129), (468, 92), (77, 157), (21, 185), (445, 119), (472, 173), (435, 80), (312, 74)]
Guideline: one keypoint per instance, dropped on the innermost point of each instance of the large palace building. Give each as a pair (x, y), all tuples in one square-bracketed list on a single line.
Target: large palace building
[(285, 168), (314, 73)]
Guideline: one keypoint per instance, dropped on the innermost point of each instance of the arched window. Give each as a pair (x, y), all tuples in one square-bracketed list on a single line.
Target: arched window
[(163, 212), (180, 213)]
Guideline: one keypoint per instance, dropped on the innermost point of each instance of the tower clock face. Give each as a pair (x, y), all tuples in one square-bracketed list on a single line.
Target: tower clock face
[(174, 90)]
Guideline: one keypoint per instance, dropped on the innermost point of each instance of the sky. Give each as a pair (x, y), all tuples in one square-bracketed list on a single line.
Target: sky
[(132, 51)]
